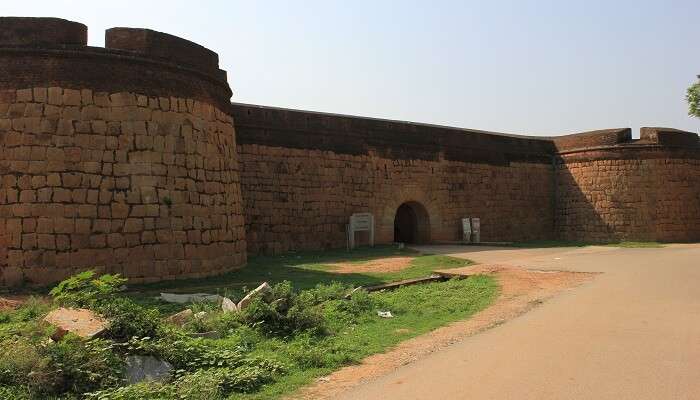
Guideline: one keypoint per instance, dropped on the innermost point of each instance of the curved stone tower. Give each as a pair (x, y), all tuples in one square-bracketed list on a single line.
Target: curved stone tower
[(610, 187), (120, 158)]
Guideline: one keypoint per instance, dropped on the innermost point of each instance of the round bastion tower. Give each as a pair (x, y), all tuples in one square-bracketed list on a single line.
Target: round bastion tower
[(120, 159)]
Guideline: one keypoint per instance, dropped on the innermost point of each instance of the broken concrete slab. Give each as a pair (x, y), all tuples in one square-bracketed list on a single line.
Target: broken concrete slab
[(227, 305), (188, 298), (146, 368), (79, 321), (263, 288), (181, 318)]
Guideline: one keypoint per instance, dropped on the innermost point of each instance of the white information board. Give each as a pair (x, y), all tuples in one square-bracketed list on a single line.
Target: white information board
[(360, 222), (466, 230), (476, 230)]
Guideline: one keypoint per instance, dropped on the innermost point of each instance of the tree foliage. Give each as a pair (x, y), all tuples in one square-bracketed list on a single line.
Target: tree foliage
[(693, 98)]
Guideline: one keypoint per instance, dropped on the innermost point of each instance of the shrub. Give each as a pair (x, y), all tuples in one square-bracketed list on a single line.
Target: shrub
[(31, 310), (214, 380), (139, 391), (225, 323), (201, 385), (14, 393), (282, 312), (84, 366), (322, 293), (360, 302), (84, 290), (309, 352), (21, 364), (128, 319)]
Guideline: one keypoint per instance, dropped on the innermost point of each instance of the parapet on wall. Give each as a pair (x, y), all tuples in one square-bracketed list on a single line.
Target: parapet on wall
[(610, 187), (119, 158), (303, 174)]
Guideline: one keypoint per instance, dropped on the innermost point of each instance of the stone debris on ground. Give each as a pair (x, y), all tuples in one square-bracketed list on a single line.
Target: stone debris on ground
[(263, 288), (385, 314), (79, 321), (181, 318), (227, 305), (352, 292), (146, 368), (189, 298)]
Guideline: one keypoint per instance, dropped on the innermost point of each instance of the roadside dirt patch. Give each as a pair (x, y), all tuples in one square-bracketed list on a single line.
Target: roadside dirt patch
[(521, 290), (389, 264)]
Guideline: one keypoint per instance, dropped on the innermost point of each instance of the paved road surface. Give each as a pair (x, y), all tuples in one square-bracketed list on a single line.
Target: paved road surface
[(631, 333)]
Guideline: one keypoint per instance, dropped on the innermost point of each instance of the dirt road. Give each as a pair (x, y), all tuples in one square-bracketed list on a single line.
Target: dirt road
[(631, 333)]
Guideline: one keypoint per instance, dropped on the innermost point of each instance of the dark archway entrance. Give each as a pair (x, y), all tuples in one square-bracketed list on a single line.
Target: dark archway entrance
[(411, 224)]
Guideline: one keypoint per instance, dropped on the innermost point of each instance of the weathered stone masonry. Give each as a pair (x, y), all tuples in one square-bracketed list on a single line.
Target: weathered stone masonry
[(98, 173), (303, 174), (125, 159), (616, 188)]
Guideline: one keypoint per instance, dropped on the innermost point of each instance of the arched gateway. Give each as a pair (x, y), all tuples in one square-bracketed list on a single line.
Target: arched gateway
[(411, 223)]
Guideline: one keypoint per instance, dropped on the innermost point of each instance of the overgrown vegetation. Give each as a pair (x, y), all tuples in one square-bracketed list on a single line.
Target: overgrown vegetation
[(304, 269), (282, 340)]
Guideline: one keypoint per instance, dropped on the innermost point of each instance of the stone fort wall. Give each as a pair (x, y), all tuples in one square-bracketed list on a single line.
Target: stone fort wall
[(126, 159), (303, 174), (610, 187), (121, 159)]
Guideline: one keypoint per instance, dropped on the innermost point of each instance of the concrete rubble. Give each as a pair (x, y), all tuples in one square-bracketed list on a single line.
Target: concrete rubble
[(227, 305), (79, 321), (181, 318), (263, 288), (146, 368), (189, 298)]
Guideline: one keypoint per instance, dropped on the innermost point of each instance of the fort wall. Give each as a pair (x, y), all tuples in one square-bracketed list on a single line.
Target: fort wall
[(303, 174), (610, 187), (121, 159), (126, 159)]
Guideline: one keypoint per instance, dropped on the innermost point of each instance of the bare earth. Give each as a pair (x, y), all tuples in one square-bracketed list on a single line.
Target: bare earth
[(520, 290), (7, 303), (389, 264), (631, 332)]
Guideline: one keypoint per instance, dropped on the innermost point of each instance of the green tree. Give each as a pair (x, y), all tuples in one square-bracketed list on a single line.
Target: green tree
[(693, 97)]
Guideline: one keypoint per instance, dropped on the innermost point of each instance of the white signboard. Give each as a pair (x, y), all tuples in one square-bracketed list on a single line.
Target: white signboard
[(476, 230), (466, 230), (360, 222)]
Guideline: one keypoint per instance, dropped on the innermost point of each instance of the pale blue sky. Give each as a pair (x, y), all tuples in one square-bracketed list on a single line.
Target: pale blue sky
[(530, 67)]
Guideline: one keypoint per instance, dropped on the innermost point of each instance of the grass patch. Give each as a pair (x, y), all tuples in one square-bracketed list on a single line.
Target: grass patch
[(417, 310), (304, 270), (302, 329)]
